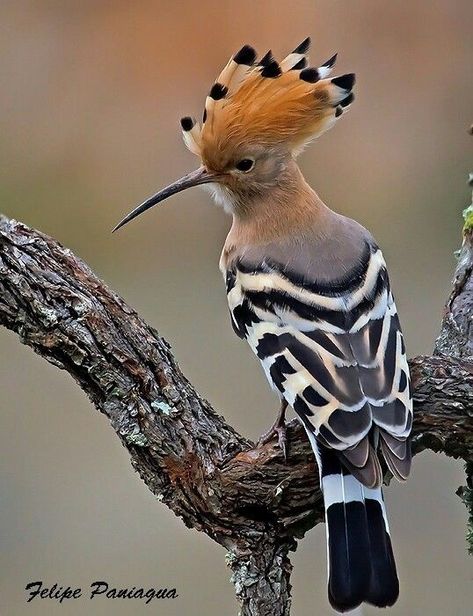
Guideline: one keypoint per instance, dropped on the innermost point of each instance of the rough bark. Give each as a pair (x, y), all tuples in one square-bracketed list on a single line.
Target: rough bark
[(246, 498)]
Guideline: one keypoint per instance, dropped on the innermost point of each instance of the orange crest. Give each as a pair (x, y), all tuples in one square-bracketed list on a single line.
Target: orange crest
[(268, 103)]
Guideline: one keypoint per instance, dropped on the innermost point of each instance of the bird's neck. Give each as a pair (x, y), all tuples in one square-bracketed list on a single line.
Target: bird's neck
[(290, 207)]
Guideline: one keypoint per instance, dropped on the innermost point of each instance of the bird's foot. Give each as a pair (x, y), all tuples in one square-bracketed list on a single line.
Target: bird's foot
[(277, 429)]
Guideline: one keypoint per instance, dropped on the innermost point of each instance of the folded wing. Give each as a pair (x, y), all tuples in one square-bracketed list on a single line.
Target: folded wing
[(335, 352)]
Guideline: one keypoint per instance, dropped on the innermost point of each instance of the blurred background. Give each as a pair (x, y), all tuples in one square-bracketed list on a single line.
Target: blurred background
[(91, 97)]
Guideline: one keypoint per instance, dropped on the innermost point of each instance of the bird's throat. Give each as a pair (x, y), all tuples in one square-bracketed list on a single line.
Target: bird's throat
[(290, 207)]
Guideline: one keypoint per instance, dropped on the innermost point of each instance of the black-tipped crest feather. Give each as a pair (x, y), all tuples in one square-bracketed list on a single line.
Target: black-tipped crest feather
[(311, 75), (300, 65), (348, 100), (271, 70), (246, 55), (330, 62), (218, 91), (303, 47), (187, 123), (292, 103), (266, 59), (345, 81)]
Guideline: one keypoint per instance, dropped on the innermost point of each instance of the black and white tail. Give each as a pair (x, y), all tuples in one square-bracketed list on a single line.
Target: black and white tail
[(361, 564)]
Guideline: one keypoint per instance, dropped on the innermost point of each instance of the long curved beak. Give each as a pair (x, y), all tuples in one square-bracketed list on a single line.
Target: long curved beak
[(195, 178)]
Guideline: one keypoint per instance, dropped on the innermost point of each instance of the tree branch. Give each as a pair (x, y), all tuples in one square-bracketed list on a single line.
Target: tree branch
[(245, 498)]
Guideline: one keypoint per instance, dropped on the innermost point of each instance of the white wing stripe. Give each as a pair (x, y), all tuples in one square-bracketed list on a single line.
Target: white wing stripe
[(273, 281)]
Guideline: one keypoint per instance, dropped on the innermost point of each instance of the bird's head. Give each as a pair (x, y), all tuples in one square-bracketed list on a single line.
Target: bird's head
[(258, 116)]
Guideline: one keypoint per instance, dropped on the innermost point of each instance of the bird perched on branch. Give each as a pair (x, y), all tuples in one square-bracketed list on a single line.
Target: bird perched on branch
[(309, 291)]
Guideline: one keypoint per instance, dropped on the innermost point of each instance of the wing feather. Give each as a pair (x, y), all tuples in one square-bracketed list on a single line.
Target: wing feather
[(337, 358)]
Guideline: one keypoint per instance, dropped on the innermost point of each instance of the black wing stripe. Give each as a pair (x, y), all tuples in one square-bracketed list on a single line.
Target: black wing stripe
[(339, 361), (243, 317), (390, 415), (313, 397), (271, 300), (338, 287), (341, 349), (344, 423)]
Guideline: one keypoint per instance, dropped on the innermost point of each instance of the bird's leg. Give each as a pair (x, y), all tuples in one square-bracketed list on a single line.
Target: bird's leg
[(277, 429)]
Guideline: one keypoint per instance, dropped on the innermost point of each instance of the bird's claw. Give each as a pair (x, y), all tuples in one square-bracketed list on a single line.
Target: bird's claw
[(281, 433)]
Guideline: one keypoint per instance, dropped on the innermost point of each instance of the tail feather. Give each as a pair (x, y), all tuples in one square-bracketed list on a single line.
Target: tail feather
[(361, 564), (397, 453), (348, 557), (384, 583)]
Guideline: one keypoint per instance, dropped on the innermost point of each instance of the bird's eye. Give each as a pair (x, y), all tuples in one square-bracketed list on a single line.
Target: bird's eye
[(245, 164)]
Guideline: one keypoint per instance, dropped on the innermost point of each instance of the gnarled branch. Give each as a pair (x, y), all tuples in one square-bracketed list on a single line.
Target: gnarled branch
[(246, 498)]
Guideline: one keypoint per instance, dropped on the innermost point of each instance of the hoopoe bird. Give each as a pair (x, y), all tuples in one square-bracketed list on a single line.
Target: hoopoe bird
[(309, 291)]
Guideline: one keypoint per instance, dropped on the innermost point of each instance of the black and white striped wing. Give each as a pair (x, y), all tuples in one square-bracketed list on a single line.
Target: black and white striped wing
[(335, 352)]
